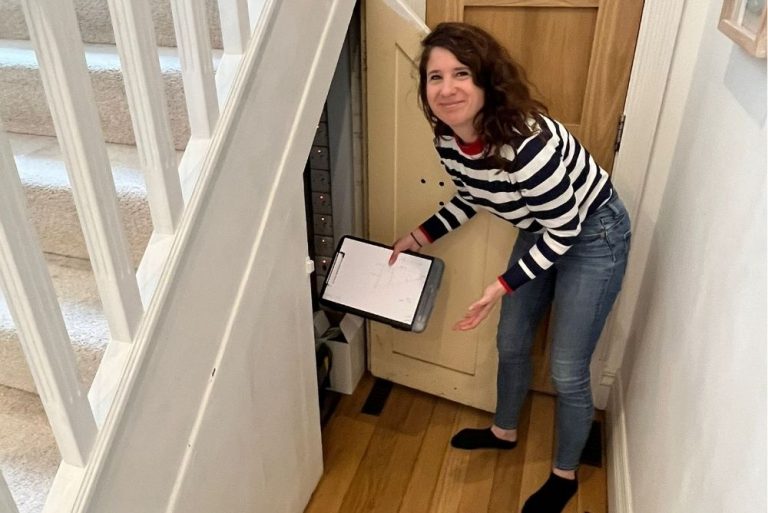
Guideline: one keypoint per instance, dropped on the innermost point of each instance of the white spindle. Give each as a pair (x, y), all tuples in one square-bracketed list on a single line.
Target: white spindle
[(32, 301), (235, 27), (56, 37), (193, 40), (135, 37), (254, 11)]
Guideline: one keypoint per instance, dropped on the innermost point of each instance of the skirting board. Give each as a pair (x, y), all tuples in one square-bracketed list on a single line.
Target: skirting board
[(619, 487)]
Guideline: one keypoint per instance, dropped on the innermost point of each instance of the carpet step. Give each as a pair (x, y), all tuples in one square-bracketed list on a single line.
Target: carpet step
[(96, 25), (51, 203), (28, 451), (80, 305), (24, 107)]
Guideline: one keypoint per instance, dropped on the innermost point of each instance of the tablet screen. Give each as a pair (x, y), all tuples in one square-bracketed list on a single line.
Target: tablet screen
[(362, 279)]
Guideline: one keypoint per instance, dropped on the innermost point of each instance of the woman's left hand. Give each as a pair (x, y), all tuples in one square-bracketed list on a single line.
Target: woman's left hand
[(480, 309)]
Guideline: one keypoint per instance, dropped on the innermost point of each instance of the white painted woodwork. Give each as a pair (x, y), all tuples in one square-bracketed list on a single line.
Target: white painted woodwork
[(64, 489), (190, 23), (235, 31), (29, 292), (235, 25), (619, 483), (135, 38), (255, 8), (227, 399), (55, 35), (7, 504), (648, 82)]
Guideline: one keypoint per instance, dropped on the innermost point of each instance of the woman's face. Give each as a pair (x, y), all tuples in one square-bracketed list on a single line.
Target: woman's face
[(452, 94)]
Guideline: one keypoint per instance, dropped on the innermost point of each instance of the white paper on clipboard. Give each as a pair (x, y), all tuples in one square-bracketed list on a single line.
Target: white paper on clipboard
[(362, 278)]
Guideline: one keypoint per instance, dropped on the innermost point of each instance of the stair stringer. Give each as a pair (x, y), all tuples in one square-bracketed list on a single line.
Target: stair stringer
[(217, 409)]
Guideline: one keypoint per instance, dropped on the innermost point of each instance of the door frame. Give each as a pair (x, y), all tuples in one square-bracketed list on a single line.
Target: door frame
[(656, 40)]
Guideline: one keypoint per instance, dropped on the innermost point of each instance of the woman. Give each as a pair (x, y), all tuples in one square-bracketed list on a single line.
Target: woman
[(506, 155)]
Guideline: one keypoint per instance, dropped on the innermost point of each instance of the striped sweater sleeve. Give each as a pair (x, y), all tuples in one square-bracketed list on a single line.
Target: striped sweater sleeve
[(547, 190), (455, 213)]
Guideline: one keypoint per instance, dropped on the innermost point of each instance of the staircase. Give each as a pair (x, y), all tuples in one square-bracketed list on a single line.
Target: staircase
[(28, 454), (58, 451)]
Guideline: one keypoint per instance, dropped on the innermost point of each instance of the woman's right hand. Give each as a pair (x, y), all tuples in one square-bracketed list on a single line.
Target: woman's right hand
[(408, 242)]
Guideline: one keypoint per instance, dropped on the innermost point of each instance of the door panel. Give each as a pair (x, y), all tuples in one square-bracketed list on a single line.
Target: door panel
[(560, 66), (405, 186), (578, 55)]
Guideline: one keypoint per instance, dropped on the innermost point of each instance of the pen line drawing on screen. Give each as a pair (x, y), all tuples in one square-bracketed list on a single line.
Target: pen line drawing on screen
[(362, 278)]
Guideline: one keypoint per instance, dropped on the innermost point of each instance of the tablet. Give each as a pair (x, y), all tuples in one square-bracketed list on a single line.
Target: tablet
[(361, 281)]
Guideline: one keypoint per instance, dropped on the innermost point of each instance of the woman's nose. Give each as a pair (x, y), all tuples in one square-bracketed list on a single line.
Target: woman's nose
[(447, 87)]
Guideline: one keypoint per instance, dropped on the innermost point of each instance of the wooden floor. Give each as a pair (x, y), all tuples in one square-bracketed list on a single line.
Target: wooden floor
[(401, 461)]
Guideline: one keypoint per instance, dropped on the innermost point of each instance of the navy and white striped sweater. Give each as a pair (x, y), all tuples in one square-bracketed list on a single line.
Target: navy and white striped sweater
[(548, 187)]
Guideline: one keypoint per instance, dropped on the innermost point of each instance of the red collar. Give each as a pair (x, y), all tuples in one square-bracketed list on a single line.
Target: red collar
[(474, 148)]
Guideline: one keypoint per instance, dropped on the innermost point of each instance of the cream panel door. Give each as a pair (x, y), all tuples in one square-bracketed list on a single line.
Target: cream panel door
[(406, 184), (577, 54)]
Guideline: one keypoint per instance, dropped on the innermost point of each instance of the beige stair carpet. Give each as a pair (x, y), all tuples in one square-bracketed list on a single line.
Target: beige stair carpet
[(96, 25), (51, 203), (83, 316), (24, 106), (29, 456)]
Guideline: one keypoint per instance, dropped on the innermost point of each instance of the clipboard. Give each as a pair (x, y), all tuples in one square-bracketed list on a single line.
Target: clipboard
[(362, 282)]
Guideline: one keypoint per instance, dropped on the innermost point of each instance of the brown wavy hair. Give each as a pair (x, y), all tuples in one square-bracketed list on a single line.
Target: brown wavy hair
[(508, 103)]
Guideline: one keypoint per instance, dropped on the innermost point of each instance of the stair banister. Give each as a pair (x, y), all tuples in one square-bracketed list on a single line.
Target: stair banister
[(235, 25), (135, 39), (28, 289), (255, 7), (55, 35), (7, 504), (194, 43)]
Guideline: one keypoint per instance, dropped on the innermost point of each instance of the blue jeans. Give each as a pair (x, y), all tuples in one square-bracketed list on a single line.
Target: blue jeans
[(581, 287)]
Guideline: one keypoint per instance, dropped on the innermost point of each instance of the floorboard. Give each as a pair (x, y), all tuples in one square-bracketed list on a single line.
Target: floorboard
[(401, 461)]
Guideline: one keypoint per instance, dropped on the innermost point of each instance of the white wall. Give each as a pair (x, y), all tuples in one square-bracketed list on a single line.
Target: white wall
[(694, 373)]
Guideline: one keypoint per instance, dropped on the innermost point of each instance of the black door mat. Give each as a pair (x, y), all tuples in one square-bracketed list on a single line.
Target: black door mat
[(593, 452), (377, 397)]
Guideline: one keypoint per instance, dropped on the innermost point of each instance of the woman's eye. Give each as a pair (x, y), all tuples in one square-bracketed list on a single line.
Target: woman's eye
[(434, 77), (462, 73)]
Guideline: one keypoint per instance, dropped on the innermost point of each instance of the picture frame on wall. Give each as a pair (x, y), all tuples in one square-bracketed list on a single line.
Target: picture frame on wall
[(744, 22)]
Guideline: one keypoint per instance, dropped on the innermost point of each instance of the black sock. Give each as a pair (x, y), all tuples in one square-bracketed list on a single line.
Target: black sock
[(479, 439), (552, 497)]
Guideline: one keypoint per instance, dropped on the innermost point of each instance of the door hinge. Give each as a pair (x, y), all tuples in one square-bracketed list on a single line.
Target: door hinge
[(309, 265), (619, 133)]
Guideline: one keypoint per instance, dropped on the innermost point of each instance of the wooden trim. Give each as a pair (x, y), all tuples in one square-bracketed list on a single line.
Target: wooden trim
[(619, 483), (752, 42), (29, 292), (136, 43), (54, 32), (532, 3), (193, 38), (647, 86), (235, 25)]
